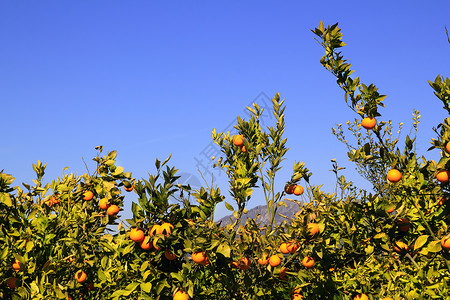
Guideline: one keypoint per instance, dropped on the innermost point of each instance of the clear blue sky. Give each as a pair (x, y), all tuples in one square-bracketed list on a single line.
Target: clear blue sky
[(150, 78)]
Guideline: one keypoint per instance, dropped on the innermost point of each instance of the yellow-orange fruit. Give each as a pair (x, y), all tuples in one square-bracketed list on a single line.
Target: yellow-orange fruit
[(293, 246), (80, 276), (442, 176), (156, 229), (238, 140), (312, 228), (103, 203), (137, 235), (166, 229), (361, 297), (16, 265), (199, 257), (274, 260), (263, 260), (297, 297), (368, 123), (146, 243), (112, 210), (445, 242), (283, 248), (88, 195), (308, 262), (289, 189), (129, 189), (169, 255), (180, 295), (400, 246), (243, 149), (394, 175), (447, 147), (155, 244), (244, 263), (298, 190)]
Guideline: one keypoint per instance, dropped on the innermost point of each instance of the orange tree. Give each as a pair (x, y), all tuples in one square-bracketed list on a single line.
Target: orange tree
[(390, 241)]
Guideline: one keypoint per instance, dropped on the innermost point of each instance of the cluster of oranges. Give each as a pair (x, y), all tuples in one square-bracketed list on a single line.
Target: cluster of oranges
[(150, 241), (238, 140), (294, 189)]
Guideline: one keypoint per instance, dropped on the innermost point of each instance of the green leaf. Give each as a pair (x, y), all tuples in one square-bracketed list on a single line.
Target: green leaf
[(228, 206), (434, 246), (146, 286), (420, 241), (224, 249)]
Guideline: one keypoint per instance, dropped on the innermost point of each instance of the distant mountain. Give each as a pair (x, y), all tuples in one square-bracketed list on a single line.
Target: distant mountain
[(289, 211)]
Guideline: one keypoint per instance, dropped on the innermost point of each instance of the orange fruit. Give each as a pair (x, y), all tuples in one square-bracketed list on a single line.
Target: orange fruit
[(394, 175), (103, 204), (447, 147), (400, 246), (88, 195), (112, 210), (445, 242), (80, 276), (129, 189), (361, 297), (289, 189), (11, 282), (234, 264), (387, 298), (403, 224), (297, 297), (274, 260), (308, 262), (263, 260), (244, 263), (368, 123), (137, 235), (16, 265), (243, 149), (390, 209), (238, 140), (442, 176), (312, 228), (298, 190), (55, 200), (180, 295), (169, 255), (166, 229), (146, 244), (283, 248), (155, 244), (293, 246), (156, 229), (283, 273), (199, 257)]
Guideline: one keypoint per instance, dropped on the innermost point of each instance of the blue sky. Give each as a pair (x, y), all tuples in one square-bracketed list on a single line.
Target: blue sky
[(150, 78)]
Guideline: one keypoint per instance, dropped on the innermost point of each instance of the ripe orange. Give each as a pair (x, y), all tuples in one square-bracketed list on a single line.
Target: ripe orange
[(394, 175), (113, 210), (274, 260), (368, 123), (298, 190), (293, 246), (312, 228), (11, 282), (169, 255), (16, 265), (400, 246), (447, 147), (445, 242), (80, 276), (361, 297), (442, 176), (166, 229), (155, 244), (137, 235), (263, 260), (238, 140), (199, 257), (289, 189), (103, 203), (284, 248), (146, 244), (234, 264), (180, 295), (390, 209), (88, 195), (308, 262), (55, 200), (297, 297), (403, 224), (243, 149), (387, 298), (156, 229), (129, 189), (283, 273), (244, 263)]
